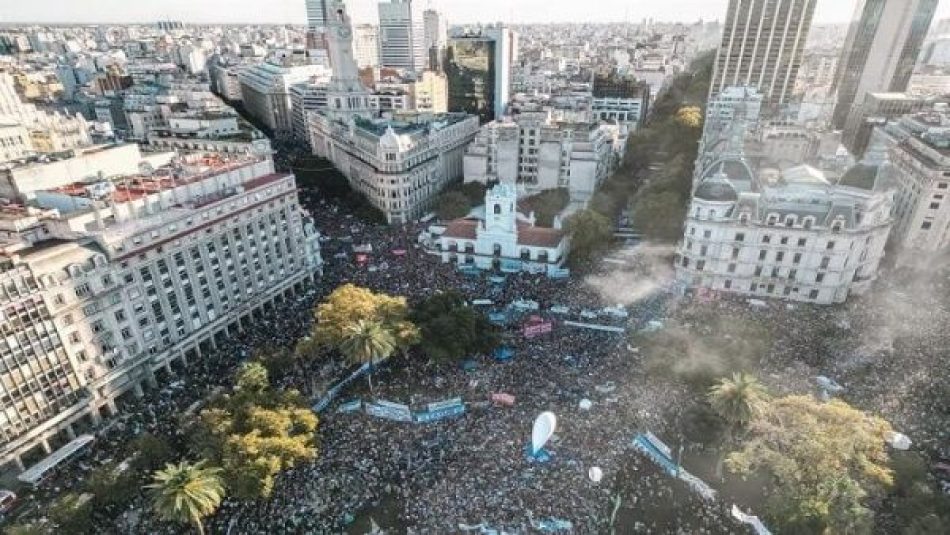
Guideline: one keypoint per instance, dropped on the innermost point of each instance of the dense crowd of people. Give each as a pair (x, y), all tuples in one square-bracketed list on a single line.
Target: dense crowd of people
[(471, 473)]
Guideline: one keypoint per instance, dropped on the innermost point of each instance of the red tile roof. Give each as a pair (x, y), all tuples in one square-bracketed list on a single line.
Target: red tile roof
[(464, 229), (539, 236)]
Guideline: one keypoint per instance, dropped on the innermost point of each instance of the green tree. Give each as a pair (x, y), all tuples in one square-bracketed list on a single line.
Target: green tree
[(151, 452), (736, 401), (452, 205), (590, 235), (112, 485), (824, 460), (71, 513), (368, 342), (452, 330), (474, 192), (186, 493), (279, 362), (31, 528), (659, 217)]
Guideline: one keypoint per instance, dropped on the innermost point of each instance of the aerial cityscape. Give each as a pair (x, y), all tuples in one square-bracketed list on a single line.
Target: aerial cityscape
[(442, 267)]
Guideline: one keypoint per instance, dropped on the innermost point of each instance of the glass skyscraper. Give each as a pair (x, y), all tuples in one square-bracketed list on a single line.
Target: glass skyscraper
[(880, 51)]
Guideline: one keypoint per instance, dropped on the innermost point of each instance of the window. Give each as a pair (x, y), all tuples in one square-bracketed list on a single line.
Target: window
[(703, 250), (942, 185), (762, 254), (813, 294), (819, 278), (707, 234), (926, 225), (797, 258), (801, 242), (779, 256), (497, 209), (740, 236), (934, 205), (766, 239), (727, 285), (830, 245), (792, 274), (732, 268), (700, 264), (735, 253), (758, 271), (825, 261), (784, 240)]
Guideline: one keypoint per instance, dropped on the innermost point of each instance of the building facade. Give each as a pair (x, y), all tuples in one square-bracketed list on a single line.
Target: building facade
[(111, 283), (501, 240), (399, 164), (880, 51), (762, 46), (265, 92), (478, 67), (789, 235), (916, 147), (402, 35), (366, 45), (535, 154)]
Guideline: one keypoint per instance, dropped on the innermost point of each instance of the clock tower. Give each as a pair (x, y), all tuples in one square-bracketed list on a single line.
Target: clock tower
[(346, 95)]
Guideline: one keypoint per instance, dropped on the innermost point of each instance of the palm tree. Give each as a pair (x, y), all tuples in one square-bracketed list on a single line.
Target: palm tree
[(186, 493), (368, 342), (736, 401)]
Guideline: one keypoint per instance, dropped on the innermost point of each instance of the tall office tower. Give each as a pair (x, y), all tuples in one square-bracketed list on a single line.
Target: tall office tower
[(880, 51), (316, 15), (478, 66), (402, 35), (436, 37), (366, 45), (762, 46)]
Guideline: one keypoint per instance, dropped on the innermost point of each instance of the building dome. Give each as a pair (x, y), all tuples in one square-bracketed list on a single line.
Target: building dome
[(732, 168), (389, 140), (716, 189)]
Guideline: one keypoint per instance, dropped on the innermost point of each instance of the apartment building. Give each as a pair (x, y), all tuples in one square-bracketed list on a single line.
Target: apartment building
[(109, 283)]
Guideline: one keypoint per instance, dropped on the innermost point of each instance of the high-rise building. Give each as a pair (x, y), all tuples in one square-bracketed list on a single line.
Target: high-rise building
[(402, 35), (109, 284), (265, 90), (316, 15), (436, 36), (880, 51), (366, 45), (762, 46), (478, 66)]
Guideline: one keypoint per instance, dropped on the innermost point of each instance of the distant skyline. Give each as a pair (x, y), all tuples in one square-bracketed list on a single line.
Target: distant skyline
[(457, 11)]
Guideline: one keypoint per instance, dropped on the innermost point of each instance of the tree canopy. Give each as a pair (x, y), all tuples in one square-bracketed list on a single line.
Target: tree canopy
[(349, 304), (255, 432), (824, 459), (590, 234), (451, 330), (452, 205), (186, 493)]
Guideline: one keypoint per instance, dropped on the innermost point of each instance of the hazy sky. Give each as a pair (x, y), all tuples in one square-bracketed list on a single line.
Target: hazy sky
[(457, 11)]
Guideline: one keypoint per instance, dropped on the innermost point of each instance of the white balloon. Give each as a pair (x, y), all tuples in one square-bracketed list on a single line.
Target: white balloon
[(595, 474), (586, 404), (544, 426)]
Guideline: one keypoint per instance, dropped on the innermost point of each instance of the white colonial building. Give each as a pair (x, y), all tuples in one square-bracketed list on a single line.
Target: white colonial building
[(790, 234), (501, 238)]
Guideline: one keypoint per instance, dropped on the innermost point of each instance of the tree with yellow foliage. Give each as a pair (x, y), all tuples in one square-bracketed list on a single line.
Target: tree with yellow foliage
[(824, 459), (349, 304), (689, 117)]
